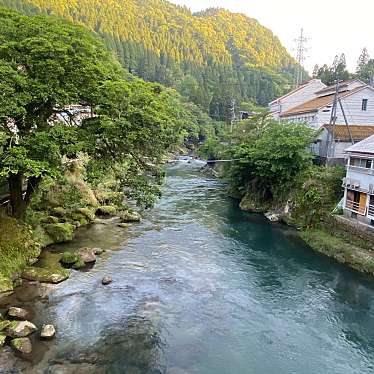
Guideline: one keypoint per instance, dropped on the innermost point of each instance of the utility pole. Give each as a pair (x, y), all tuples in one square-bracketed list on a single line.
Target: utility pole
[(232, 115), (300, 57)]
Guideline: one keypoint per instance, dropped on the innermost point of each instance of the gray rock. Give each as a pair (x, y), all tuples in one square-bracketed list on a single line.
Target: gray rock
[(22, 345), (48, 332), (106, 281), (87, 255), (2, 339), (98, 251), (18, 313), (20, 329)]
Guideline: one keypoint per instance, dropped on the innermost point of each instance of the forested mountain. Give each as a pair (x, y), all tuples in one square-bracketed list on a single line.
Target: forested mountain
[(211, 57)]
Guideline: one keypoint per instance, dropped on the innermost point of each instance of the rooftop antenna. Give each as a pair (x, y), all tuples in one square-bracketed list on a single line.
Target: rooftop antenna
[(300, 57)]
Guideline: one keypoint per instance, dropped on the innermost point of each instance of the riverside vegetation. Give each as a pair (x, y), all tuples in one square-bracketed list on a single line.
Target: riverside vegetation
[(60, 177), (274, 172)]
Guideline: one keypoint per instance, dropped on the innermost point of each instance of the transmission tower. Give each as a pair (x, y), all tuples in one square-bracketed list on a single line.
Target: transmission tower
[(300, 57)]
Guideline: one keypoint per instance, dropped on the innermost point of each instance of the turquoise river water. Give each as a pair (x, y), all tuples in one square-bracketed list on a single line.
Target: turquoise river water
[(200, 287)]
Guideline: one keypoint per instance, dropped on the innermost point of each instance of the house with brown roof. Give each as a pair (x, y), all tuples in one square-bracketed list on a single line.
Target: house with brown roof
[(303, 93), (357, 99), (356, 104)]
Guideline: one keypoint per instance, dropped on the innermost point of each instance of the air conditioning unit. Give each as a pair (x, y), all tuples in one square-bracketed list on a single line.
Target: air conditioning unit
[(356, 185)]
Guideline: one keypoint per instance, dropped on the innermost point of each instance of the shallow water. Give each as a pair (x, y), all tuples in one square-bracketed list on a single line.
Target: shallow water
[(201, 287)]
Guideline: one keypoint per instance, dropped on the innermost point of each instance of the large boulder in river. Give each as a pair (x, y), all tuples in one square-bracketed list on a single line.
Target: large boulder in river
[(48, 332), (128, 216), (20, 329), (45, 275), (107, 280), (87, 255), (106, 210), (69, 258), (18, 313), (22, 345)]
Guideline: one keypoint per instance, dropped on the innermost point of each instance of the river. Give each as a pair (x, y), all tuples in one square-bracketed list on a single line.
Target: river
[(201, 287)]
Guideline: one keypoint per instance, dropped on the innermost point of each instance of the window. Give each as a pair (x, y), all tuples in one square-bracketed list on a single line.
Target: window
[(364, 104), (361, 162)]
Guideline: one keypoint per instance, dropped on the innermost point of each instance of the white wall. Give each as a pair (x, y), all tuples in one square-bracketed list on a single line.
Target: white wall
[(297, 98), (352, 106)]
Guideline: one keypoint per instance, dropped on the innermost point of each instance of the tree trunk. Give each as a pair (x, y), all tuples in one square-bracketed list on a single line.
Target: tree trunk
[(16, 195)]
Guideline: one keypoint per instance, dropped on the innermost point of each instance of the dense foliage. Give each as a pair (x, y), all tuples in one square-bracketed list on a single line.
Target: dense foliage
[(47, 63), (211, 57), (269, 157)]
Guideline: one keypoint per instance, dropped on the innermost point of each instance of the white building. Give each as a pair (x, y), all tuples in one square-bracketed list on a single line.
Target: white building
[(298, 96), (359, 182), (357, 99), (344, 137)]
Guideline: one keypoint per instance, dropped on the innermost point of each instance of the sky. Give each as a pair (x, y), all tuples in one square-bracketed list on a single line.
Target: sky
[(331, 26)]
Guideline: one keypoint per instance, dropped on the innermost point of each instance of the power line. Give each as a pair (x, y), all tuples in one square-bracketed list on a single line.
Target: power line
[(300, 57)]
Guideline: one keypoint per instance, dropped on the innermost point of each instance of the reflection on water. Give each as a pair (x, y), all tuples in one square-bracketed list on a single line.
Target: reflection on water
[(201, 287)]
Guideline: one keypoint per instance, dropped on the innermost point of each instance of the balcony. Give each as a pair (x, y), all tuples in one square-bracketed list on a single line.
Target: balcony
[(361, 170), (356, 208), (371, 210)]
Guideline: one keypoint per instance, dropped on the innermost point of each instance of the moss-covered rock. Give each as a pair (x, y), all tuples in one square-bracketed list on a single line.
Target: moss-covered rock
[(80, 264), (109, 197), (49, 219), (87, 255), (106, 210), (249, 204), (69, 258), (17, 283), (80, 219), (20, 329), (60, 212), (6, 285), (60, 232), (87, 213), (22, 345), (45, 275), (129, 216), (4, 325)]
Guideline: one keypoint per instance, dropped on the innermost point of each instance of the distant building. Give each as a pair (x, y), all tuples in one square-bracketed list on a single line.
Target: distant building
[(343, 137), (357, 99), (359, 182), (72, 114), (305, 92)]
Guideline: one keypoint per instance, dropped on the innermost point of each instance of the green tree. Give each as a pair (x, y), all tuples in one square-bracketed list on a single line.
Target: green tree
[(271, 157), (45, 64)]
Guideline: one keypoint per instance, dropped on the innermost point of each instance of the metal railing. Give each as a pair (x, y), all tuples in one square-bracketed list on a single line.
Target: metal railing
[(355, 207), (371, 210)]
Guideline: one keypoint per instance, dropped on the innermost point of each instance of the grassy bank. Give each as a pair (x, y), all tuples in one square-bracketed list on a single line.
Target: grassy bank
[(359, 258), (17, 247)]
